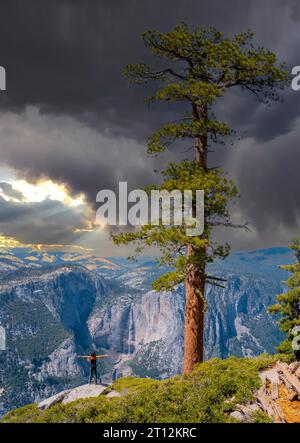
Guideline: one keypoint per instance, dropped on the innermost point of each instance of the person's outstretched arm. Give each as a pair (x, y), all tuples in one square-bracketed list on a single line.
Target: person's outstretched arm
[(102, 356), (83, 356)]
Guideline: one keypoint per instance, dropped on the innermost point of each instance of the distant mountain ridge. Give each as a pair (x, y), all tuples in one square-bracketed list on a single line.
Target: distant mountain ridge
[(55, 305), (12, 259)]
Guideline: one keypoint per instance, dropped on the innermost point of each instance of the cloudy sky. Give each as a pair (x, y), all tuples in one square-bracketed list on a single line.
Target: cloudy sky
[(70, 124)]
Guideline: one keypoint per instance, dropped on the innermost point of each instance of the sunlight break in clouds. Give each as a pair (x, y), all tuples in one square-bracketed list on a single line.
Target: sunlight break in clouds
[(46, 189)]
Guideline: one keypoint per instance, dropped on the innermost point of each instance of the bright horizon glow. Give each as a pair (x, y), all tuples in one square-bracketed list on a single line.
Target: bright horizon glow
[(45, 189), (7, 242)]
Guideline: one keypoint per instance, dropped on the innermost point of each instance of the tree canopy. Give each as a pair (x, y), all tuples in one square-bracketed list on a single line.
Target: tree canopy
[(200, 66)]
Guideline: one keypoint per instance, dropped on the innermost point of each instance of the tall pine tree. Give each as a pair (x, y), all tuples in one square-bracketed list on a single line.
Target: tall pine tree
[(200, 66)]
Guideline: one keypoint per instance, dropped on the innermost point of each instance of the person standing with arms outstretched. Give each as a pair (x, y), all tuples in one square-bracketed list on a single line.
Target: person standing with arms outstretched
[(92, 358)]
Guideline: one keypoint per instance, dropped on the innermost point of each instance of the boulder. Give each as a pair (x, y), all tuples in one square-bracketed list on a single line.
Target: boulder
[(294, 367), (57, 398), (69, 395), (237, 415), (244, 412), (84, 391)]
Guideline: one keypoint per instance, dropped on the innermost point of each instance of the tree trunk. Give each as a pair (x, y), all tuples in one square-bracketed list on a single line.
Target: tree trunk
[(194, 317), (195, 280)]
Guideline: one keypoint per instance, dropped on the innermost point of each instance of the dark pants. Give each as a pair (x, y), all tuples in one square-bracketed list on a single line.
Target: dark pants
[(114, 375), (93, 374)]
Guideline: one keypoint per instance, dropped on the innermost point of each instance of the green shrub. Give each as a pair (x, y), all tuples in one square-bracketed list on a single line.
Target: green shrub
[(261, 417)]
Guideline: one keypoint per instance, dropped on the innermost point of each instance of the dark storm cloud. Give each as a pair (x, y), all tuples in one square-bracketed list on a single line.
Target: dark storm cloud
[(295, 10), (68, 56), (49, 221), (68, 113), (9, 191), (268, 178), (39, 145)]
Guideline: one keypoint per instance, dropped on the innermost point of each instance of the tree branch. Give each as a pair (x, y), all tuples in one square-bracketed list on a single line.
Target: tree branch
[(211, 277), (231, 225)]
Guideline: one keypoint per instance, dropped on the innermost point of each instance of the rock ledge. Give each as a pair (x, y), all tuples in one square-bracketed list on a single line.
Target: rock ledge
[(69, 395)]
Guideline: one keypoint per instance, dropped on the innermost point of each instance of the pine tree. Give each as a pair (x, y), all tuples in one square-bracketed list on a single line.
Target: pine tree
[(288, 305), (202, 66)]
